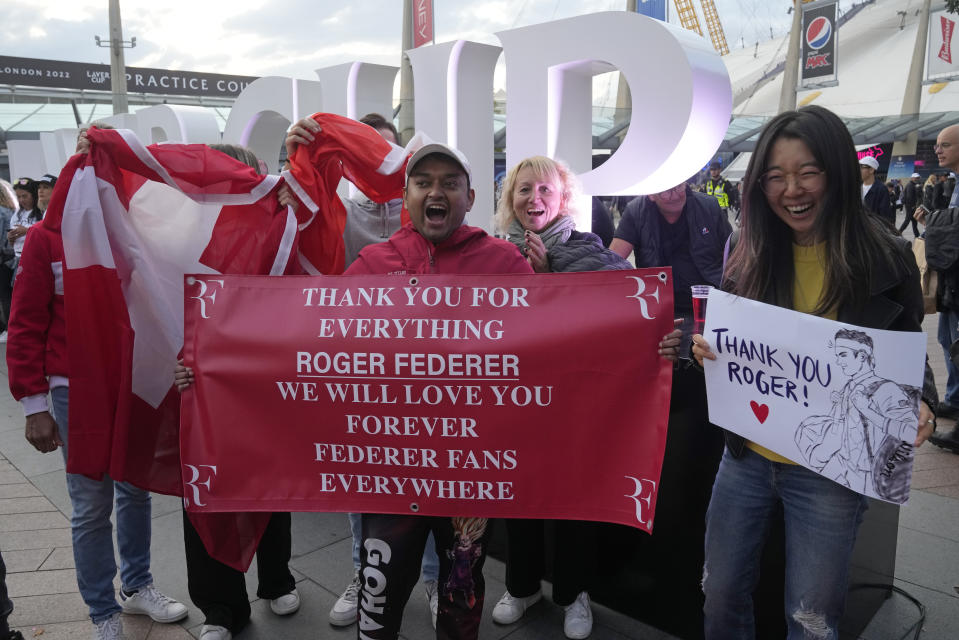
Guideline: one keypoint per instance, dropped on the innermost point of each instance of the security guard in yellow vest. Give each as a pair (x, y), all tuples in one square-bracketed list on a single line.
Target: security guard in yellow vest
[(725, 193)]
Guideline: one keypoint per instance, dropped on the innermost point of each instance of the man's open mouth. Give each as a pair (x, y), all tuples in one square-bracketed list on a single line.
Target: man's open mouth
[(436, 212)]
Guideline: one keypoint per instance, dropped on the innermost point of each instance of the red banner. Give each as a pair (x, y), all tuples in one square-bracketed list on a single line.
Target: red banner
[(489, 396), (422, 22), (945, 51)]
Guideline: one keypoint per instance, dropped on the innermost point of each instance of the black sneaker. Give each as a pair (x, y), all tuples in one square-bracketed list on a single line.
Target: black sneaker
[(948, 441), (14, 635), (946, 410)]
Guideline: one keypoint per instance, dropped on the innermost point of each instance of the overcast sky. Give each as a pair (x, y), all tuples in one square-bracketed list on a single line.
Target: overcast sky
[(294, 37)]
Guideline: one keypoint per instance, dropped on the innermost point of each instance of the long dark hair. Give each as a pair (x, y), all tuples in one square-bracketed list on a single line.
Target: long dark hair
[(30, 186), (761, 264)]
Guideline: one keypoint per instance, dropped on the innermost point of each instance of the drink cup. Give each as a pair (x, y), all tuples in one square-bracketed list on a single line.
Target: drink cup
[(700, 294)]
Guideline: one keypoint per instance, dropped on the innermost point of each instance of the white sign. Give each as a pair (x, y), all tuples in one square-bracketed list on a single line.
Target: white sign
[(942, 58), (841, 400)]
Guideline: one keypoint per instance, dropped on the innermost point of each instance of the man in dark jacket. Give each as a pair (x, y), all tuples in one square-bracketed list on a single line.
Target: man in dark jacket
[(687, 231), (940, 195), (874, 193), (911, 196), (680, 228), (947, 290)]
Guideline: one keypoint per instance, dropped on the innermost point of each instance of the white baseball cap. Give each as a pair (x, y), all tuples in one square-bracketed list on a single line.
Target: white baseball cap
[(869, 161), (915, 175), (436, 147)]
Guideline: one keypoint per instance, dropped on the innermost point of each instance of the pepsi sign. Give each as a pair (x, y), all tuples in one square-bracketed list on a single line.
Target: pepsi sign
[(819, 44), (818, 33)]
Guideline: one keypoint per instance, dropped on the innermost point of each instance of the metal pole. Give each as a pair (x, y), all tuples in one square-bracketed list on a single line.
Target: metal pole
[(406, 120), (118, 74), (787, 96), (913, 93)]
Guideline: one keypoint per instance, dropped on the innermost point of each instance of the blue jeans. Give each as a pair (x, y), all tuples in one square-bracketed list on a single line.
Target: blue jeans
[(92, 502), (821, 521), (430, 568), (949, 333)]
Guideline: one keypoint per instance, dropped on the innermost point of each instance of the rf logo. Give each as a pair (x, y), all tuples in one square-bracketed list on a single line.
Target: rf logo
[(643, 497), (202, 296), (195, 484), (642, 294)]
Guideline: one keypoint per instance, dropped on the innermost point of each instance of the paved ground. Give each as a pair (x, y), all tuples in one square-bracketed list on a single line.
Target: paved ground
[(35, 540)]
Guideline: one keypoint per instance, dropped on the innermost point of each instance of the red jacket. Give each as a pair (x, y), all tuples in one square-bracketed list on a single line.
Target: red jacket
[(467, 250), (37, 334)]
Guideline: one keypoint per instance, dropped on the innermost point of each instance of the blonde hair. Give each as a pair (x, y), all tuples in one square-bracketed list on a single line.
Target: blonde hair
[(930, 181), (543, 168), (8, 198)]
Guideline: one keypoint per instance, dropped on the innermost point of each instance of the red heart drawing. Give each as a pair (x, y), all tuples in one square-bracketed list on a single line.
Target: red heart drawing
[(761, 411)]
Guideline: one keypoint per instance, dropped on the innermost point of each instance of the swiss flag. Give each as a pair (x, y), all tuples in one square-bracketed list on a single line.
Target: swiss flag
[(134, 220)]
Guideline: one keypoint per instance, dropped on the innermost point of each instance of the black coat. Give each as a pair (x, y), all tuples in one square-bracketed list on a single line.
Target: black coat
[(910, 197), (584, 252), (877, 201)]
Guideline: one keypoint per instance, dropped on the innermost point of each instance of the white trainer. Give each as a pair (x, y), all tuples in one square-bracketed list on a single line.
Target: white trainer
[(509, 609), (149, 601), (432, 597), (286, 604), (215, 632), (578, 623), (343, 613), (109, 629)]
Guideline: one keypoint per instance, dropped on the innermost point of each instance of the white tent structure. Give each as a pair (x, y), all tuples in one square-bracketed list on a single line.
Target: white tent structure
[(876, 39), (875, 51)]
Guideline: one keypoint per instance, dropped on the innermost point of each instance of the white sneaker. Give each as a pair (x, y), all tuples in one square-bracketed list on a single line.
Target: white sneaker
[(149, 601), (3, 336), (578, 623), (510, 609), (215, 632), (109, 629), (286, 604), (432, 597), (343, 613)]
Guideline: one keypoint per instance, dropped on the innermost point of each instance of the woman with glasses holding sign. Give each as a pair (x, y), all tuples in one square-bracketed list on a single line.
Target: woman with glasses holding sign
[(807, 244), (536, 212)]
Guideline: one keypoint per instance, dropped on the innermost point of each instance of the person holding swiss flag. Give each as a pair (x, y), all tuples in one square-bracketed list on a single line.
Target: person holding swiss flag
[(38, 368)]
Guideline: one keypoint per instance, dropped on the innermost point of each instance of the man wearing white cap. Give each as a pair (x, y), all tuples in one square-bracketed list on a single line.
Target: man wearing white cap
[(910, 200), (437, 196), (874, 194)]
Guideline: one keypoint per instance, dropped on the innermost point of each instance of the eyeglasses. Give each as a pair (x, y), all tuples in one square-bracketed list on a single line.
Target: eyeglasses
[(672, 194), (774, 183), (941, 146)]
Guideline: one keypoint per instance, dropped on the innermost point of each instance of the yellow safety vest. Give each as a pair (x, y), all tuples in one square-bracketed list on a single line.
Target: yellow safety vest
[(721, 196)]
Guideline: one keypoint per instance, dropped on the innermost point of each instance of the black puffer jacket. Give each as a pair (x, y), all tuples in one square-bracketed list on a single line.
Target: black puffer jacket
[(584, 252)]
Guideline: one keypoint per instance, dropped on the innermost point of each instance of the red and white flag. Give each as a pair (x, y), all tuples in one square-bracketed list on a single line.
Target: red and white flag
[(134, 220), (344, 148)]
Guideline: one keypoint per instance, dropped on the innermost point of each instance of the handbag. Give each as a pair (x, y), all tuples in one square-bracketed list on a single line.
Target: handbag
[(928, 278)]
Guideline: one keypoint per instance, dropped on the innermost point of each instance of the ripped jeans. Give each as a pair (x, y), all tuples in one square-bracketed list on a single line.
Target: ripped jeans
[(821, 521)]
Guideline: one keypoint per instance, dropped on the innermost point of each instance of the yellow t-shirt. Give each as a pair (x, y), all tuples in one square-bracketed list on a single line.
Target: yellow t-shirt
[(810, 277)]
